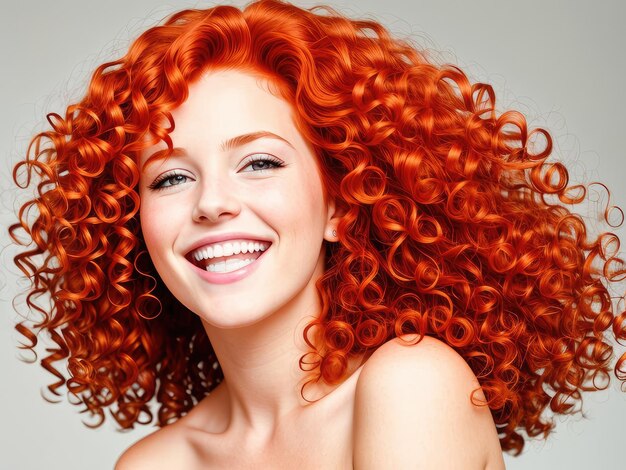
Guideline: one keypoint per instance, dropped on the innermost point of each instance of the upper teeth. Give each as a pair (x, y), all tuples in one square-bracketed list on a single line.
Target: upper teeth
[(217, 250)]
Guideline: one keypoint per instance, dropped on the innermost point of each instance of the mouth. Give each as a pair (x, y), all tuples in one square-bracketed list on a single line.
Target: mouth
[(227, 257)]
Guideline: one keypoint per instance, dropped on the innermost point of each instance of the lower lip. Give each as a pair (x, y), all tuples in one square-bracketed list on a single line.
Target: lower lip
[(234, 276)]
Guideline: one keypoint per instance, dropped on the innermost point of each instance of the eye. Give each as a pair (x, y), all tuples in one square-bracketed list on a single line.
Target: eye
[(262, 162), (169, 179)]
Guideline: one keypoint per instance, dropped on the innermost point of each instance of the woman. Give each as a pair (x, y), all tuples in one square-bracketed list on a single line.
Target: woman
[(436, 219)]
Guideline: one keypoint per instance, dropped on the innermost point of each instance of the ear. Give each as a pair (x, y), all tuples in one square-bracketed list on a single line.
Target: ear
[(335, 214)]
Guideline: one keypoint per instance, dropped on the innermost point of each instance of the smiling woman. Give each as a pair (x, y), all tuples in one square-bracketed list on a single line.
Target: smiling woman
[(242, 178), (288, 227)]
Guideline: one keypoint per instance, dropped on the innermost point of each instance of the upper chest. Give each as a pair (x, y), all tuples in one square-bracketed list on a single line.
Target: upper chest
[(319, 436)]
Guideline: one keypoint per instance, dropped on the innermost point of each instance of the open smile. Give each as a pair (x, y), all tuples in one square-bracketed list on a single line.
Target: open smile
[(227, 257)]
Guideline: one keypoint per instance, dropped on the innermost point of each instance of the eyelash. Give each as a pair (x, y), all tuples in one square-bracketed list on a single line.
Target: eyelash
[(264, 158), (158, 183), (275, 162)]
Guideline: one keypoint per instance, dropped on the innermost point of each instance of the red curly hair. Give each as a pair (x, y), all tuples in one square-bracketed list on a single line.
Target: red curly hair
[(454, 226)]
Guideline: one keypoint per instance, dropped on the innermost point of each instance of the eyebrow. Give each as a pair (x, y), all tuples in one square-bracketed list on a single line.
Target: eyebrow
[(240, 140), (225, 146)]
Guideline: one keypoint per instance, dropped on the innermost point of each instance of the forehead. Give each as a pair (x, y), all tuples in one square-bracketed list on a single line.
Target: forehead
[(229, 102), (224, 104)]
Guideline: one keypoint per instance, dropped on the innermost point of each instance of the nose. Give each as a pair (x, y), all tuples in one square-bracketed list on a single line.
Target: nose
[(216, 200)]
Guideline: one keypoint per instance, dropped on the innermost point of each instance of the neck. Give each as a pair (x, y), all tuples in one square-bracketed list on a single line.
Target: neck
[(260, 362)]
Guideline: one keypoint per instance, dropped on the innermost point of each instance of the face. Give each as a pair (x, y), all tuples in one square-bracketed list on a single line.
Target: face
[(235, 219)]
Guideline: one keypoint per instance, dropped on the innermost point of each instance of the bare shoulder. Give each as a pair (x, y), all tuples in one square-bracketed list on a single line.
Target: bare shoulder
[(175, 446), (429, 358), (163, 449), (413, 409)]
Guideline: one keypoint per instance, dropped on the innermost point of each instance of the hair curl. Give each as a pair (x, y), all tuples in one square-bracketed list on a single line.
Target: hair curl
[(454, 227)]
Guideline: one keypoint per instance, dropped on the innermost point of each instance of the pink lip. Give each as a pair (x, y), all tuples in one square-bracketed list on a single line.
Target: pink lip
[(226, 278)]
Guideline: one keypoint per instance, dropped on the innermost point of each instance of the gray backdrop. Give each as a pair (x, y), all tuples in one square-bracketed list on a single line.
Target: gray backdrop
[(562, 63)]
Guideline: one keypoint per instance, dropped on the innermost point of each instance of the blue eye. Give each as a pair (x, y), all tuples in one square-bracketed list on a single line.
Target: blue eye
[(169, 179), (262, 163)]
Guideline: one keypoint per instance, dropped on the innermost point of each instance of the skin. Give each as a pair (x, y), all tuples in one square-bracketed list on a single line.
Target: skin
[(382, 415)]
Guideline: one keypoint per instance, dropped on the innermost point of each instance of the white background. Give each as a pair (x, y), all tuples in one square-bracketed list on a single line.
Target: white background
[(560, 62)]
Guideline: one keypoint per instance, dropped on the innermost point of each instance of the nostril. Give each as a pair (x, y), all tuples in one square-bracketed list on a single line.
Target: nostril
[(215, 204)]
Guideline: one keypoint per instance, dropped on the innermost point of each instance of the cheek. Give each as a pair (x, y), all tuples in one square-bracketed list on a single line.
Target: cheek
[(299, 205), (310, 217), (157, 222), (150, 232), (312, 197)]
